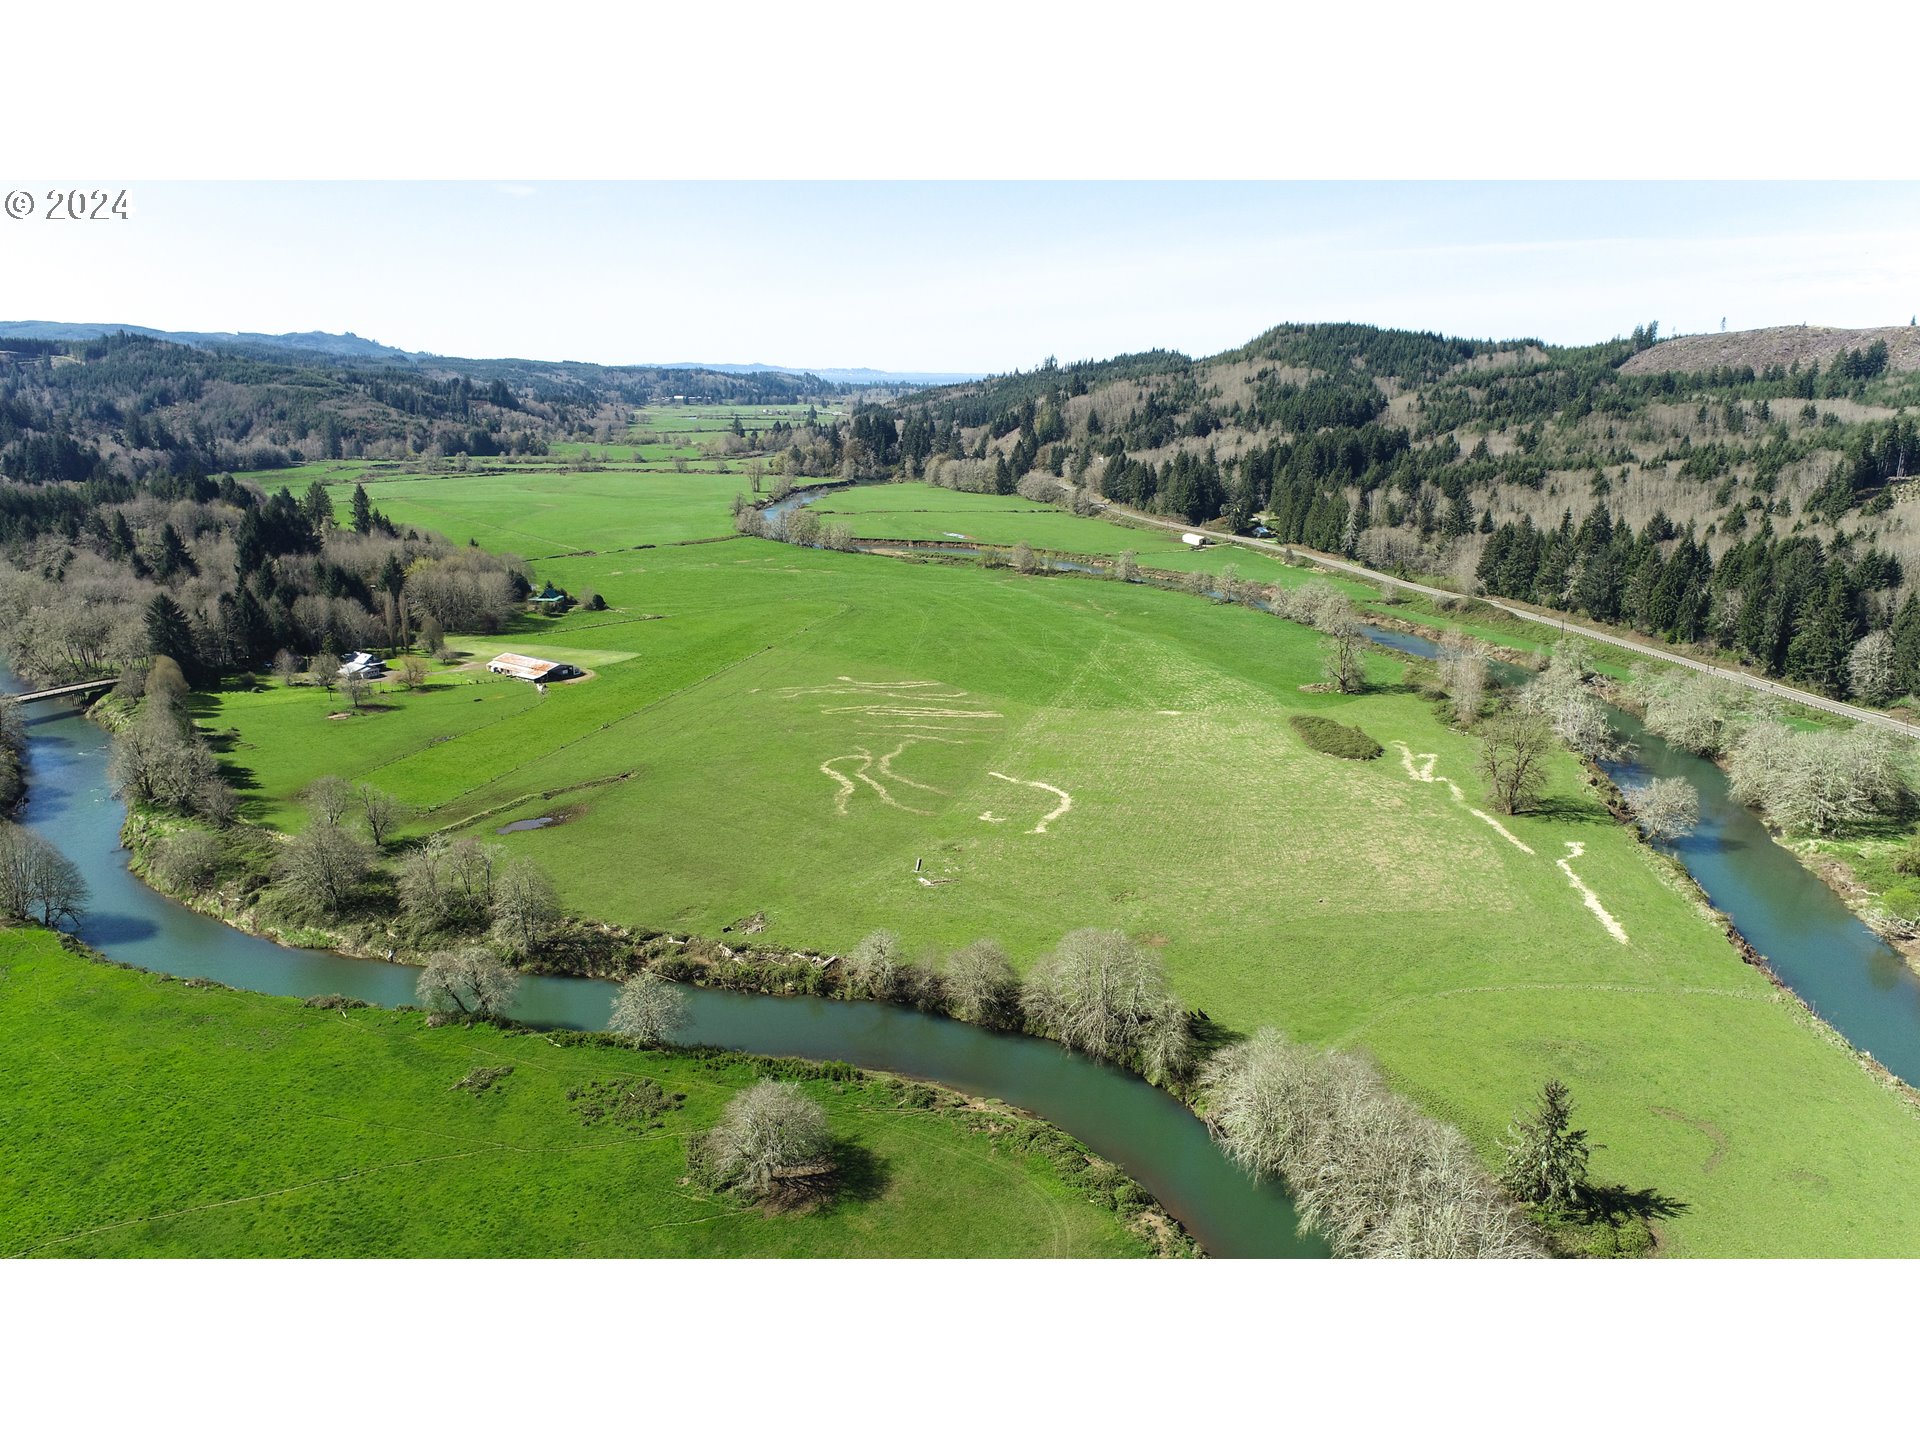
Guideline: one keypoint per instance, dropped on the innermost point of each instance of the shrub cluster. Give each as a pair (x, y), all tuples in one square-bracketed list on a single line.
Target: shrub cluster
[(1331, 737), (1367, 1170)]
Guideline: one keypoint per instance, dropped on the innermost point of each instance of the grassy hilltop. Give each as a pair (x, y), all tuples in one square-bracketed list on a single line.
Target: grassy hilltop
[(797, 728)]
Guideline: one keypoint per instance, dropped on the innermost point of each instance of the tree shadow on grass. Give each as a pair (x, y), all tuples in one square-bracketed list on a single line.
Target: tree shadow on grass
[(859, 1174), (852, 1175), (1570, 810), (1615, 1204), (1209, 1034)]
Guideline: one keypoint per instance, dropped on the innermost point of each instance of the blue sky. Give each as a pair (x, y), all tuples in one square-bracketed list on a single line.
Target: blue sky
[(973, 276)]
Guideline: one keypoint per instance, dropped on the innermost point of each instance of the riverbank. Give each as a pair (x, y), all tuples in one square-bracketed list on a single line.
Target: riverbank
[(1859, 870), (1142, 1132), (1683, 881), (1862, 873), (250, 1125), (13, 743)]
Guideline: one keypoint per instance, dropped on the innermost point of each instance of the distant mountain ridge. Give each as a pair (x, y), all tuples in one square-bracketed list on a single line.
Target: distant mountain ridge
[(316, 342), (350, 346), (858, 375)]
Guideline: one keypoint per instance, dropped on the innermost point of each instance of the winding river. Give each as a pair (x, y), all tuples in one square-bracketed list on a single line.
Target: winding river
[(1819, 947), (1143, 1130)]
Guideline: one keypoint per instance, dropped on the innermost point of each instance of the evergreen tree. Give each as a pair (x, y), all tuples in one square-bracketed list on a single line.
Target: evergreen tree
[(1547, 1157), (1906, 646), (393, 576), (317, 506), (170, 633), (362, 511), (174, 559), (123, 543)]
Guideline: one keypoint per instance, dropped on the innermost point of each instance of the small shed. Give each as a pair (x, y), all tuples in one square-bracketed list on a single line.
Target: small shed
[(532, 667), (1194, 539), (551, 596)]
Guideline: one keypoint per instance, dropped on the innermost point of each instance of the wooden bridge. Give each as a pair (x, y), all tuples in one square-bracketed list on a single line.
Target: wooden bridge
[(81, 687)]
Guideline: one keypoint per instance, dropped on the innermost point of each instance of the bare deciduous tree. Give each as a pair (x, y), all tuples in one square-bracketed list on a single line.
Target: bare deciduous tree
[(329, 798), (187, 860), (473, 868), (215, 800), (1578, 720), (1100, 992), (1367, 1169), (428, 895), (1023, 560), (1697, 712), (159, 760), (37, 882), (1127, 567), (324, 866), (381, 811), (326, 671), (1514, 750), (874, 968), (649, 1009), (471, 982), (412, 673), (1870, 669), (285, 666), (1666, 808), (355, 685), (982, 988), (1341, 658), (769, 1137), (525, 907), (1818, 782), (1462, 664)]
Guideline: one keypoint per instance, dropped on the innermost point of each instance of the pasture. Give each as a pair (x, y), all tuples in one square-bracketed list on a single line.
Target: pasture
[(537, 512), (912, 511), (799, 728), (686, 420), (145, 1117)]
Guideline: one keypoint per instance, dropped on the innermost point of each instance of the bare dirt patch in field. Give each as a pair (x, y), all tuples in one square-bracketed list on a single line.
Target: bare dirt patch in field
[(1575, 849), (1066, 800)]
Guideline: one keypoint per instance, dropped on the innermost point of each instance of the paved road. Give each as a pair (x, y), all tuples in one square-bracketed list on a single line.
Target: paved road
[(1736, 677)]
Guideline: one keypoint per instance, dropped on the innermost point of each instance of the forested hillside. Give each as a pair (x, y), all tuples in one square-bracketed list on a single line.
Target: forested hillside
[(124, 532), (137, 405), (1762, 511)]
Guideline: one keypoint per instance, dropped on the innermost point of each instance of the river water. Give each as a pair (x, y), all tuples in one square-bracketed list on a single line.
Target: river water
[(1143, 1130)]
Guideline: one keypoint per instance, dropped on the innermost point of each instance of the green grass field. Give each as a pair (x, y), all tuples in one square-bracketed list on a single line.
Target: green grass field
[(912, 511), (801, 727), (712, 419), (537, 512), (146, 1117)]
